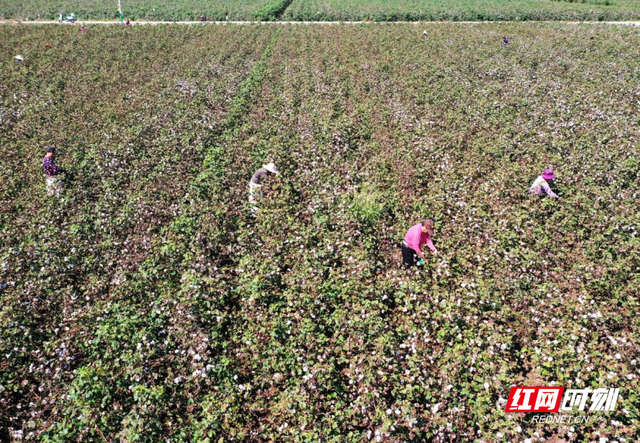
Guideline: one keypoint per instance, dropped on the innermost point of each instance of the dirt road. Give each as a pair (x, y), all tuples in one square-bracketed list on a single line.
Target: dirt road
[(143, 22)]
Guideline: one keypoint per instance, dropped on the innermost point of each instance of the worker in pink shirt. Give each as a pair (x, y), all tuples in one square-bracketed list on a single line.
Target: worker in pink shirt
[(417, 236)]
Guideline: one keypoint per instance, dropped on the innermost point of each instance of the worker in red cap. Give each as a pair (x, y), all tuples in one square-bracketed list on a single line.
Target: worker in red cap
[(417, 236)]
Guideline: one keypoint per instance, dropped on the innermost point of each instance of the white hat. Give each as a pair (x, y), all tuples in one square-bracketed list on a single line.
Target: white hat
[(271, 168), (19, 58)]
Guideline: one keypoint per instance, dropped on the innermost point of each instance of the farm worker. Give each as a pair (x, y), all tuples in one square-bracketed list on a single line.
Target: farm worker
[(540, 185), (19, 59), (256, 181), (51, 170), (424, 33), (417, 236), (127, 23), (505, 41), (82, 29)]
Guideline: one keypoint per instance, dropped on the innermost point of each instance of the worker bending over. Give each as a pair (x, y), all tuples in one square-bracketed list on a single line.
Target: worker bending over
[(540, 186), (256, 181), (417, 236)]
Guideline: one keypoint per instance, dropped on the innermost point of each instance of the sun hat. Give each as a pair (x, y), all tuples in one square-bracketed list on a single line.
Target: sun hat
[(19, 58), (271, 168), (548, 174), (51, 149)]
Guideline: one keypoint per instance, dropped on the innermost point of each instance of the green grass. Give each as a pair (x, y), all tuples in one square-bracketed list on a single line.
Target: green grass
[(150, 304), (378, 10), (146, 9)]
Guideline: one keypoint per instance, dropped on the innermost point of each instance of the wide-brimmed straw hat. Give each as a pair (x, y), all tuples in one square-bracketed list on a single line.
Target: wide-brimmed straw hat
[(19, 58), (548, 174), (271, 168)]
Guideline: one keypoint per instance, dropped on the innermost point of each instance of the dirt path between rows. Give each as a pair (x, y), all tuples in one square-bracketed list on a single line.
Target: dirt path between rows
[(143, 22)]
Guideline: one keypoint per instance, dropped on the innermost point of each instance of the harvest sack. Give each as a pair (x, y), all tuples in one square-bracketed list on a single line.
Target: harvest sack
[(254, 191), (54, 186)]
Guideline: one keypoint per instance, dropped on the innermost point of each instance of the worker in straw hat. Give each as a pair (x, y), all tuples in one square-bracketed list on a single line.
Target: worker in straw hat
[(256, 181), (541, 184), (416, 237)]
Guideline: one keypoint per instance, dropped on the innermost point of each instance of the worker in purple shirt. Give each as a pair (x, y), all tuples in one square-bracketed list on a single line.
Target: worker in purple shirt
[(417, 236), (51, 170)]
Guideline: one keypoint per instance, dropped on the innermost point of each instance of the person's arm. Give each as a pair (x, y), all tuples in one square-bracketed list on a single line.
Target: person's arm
[(56, 169), (431, 246), (548, 190)]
